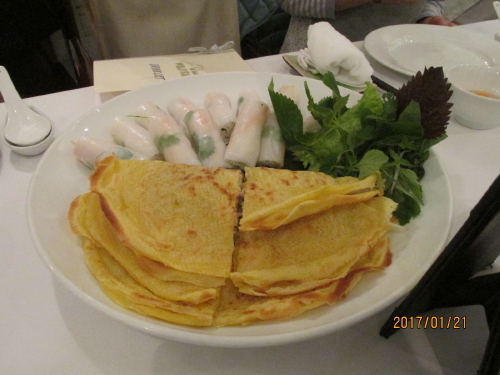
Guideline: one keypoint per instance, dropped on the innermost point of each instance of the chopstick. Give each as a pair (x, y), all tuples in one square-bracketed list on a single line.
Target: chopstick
[(384, 85)]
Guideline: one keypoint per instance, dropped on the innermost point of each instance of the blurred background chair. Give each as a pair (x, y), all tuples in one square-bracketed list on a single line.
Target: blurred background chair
[(26, 48), (263, 27)]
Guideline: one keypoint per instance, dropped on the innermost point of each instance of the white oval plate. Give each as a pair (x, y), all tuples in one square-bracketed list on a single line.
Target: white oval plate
[(59, 178), (408, 49)]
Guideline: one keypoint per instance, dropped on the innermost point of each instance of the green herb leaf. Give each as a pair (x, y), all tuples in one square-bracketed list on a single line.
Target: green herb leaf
[(409, 122), (371, 163), (188, 117), (272, 132), (330, 81), (205, 146), (164, 141), (290, 117), (407, 208)]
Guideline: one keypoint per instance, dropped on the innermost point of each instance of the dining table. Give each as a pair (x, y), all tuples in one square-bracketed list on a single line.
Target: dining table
[(47, 329)]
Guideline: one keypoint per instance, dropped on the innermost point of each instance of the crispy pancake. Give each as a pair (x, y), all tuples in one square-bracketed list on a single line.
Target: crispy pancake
[(310, 252), (182, 216), (158, 237), (162, 272), (87, 219), (128, 293), (237, 308), (277, 197)]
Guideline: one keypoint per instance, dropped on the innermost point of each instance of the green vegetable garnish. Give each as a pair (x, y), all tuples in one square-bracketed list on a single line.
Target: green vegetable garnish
[(205, 146), (164, 141), (386, 133)]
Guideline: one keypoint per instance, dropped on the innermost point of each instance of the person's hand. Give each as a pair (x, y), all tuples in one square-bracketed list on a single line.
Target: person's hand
[(437, 20)]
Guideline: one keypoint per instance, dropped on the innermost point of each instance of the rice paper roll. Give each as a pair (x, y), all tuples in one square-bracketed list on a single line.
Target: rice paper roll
[(90, 150), (243, 148), (249, 94), (219, 107), (290, 91), (207, 138), (142, 112), (168, 135), (310, 125), (272, 144), (178, 108), (126, 132)]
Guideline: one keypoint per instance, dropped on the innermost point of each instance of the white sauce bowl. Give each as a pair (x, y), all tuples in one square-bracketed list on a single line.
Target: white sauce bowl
[(470, 84)]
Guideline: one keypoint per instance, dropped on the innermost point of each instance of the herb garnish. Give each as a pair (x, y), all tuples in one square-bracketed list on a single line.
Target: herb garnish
[(386, 133)]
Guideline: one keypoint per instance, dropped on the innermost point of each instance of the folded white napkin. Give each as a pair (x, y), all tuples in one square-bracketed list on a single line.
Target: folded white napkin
[(328, 50)]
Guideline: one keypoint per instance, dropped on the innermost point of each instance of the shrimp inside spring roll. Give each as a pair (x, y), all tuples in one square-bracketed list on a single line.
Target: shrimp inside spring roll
[(178, 108), (244, 146), (207, 138), (168, 135)]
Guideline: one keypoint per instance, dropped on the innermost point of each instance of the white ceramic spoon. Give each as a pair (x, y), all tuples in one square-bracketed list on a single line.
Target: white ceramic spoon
[(24, 127)]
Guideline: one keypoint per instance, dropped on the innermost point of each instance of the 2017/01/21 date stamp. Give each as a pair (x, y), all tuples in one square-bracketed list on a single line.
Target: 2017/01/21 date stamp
[(432, 322)]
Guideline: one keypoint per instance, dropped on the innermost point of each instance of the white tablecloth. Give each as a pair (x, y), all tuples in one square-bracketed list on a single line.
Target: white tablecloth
[(45, 329)]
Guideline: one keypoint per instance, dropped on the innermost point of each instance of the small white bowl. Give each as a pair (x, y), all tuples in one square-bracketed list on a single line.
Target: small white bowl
[(31, 150), (470, 84)]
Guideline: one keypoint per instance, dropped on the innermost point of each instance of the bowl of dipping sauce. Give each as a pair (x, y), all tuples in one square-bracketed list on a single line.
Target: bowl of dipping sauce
[(476, 95)]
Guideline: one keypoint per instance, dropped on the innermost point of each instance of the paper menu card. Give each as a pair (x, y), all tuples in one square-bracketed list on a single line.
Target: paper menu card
[(118, 75)]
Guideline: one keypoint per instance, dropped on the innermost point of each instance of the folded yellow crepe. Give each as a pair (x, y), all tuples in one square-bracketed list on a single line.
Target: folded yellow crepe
[(238, 308), (312, 251), (124, 290), (181, 216), (87, 219), (278, 197)]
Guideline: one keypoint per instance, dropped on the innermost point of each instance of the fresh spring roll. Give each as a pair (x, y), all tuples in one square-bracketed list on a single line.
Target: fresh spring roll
[(290, 91), (219, 107), (244, 146), (311, 125), (168, 135), (178, 108), (126, 132), (207, 138), (249, 94), (272, 144), (89, 150)]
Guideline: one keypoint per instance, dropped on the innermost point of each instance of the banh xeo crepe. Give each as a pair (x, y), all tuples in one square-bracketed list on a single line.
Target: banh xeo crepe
[(87, 219), (160, 239), (312, 251), (277, 197), (162, 272), (118, 285), (238, 308), (180, 215)]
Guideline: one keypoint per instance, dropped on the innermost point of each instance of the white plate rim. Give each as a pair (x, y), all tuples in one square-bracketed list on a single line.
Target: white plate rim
[(206, 337), (376, 46)]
